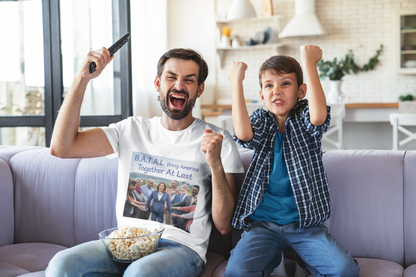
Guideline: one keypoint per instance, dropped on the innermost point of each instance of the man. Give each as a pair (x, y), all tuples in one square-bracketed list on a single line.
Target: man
[(173, 190), (208, 156), (186, 202), (147, 191)]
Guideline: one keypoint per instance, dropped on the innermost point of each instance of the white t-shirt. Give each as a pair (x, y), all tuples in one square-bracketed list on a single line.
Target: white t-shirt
[(147, 150)]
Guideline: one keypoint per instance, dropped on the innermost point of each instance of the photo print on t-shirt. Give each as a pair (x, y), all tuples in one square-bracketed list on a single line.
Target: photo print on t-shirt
[(163, 190)]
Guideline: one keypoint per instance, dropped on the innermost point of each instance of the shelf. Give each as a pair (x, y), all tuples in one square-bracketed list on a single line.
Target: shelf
[(408, 31), (273, 22), (253, 19), (404, 52), (221, 50), (258, 46), (405, 33)]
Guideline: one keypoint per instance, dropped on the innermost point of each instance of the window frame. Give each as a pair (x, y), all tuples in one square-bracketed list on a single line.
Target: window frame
[(53, 91)]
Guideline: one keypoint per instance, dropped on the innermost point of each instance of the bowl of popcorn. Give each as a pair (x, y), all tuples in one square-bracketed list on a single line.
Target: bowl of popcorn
[(127, 244)]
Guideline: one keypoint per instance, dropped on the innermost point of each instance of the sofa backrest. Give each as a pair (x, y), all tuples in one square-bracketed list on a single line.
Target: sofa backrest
[(6, 204), (410, 208), (7, 193), (57, 199), (366, 189)]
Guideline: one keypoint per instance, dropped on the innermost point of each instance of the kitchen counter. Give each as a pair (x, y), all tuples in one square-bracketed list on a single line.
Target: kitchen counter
[(355, 112), (365, 125), (347, 105)]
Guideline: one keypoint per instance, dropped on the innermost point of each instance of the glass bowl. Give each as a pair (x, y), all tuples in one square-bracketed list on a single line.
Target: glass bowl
[(127, 244)]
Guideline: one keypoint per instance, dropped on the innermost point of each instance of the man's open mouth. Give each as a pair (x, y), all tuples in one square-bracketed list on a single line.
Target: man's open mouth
[(177, 100)]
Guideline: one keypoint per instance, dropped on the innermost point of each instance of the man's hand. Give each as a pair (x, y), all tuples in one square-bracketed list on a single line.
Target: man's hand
[(236, 72), (211, 145), (101, 58), (310, 54)]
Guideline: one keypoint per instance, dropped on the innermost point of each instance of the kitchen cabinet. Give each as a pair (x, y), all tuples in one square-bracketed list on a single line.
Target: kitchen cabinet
[(406, 42), (247, 29)]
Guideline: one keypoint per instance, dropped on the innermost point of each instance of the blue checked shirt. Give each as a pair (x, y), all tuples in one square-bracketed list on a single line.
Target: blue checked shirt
[(303, 155)]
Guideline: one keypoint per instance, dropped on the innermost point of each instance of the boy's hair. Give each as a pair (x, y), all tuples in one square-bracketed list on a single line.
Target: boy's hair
[(281, 64), (185, 54)]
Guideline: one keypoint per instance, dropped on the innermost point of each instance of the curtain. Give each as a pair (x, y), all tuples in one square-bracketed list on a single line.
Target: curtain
[(149, 42)]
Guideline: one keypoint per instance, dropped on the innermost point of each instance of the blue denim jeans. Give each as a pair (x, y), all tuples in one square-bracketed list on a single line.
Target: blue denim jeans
[(91, 259), (259, 251)]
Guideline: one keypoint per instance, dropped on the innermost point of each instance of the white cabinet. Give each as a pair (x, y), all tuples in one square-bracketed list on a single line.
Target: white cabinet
[(247, 29), (406, 42)]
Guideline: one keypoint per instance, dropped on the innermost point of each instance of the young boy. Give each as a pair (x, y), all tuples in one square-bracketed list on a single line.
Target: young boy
[(284, 198)]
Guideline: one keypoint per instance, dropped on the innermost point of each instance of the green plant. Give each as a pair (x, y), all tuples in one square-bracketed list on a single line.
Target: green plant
[(335, 69), (408, 97)]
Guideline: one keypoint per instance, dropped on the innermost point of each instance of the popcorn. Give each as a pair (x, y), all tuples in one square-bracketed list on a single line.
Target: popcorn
[(128, 243)]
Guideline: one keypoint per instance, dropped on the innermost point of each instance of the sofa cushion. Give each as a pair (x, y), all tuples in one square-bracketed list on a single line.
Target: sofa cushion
[(379, 268), (44, 197), (31, 257), (410, 271), (95, 194), (6, 205), (33, 274), (6, 192), (8, 270), (409, 208), (7, 152), (213, 261), (366, 189), (289, 267)]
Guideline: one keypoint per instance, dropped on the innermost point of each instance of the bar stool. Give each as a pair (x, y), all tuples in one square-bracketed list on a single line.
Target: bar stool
[(398, 120), (337, 120), (225, 122)]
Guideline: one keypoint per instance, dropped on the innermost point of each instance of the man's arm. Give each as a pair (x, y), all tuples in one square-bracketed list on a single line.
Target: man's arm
[(241, 118), (223, 187), (310, 56), (180, 204), (66, 140)]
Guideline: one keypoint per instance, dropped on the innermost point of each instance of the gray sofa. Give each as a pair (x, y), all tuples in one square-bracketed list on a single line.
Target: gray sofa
[(48, 204)]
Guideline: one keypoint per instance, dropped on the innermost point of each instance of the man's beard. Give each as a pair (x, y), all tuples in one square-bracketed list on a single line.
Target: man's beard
[(176, 114)]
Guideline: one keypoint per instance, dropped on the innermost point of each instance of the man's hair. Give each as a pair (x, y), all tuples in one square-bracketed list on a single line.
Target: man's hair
[(185, 186), (281, 64), (196, 186), (175, 182), (184, 54)]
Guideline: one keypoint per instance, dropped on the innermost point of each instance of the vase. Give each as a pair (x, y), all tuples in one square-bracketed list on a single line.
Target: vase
[(334, 95)]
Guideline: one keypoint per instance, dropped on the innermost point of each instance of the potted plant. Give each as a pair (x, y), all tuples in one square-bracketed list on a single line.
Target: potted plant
[(336, 69)]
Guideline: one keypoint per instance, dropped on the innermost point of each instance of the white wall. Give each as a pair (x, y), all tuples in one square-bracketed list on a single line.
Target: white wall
[(191, 24), (360, 25)]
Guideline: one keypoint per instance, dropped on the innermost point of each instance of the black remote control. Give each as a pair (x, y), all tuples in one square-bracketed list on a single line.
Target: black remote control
[(113, 49)]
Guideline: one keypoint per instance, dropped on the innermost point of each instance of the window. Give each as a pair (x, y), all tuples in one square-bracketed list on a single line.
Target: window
[(48, 41)]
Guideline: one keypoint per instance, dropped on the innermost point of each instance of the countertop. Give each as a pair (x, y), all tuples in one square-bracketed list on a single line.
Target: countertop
[(347, 105), (354, 112)]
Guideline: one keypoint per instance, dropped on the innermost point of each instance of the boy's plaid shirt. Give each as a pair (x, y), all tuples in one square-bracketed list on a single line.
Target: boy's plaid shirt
[(303, 155)]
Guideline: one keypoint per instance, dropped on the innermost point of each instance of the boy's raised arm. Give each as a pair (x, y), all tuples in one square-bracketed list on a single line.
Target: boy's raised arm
[(310, 56), (241, 119)]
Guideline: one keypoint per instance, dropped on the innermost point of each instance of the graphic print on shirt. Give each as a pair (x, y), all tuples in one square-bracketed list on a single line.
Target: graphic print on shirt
[(149, 192)]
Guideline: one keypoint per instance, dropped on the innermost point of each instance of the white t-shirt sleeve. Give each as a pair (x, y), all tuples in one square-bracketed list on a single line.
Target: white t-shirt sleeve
[(113, 132)]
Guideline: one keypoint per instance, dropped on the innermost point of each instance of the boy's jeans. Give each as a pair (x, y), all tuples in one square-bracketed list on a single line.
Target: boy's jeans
[(259, 251), (91, 259)]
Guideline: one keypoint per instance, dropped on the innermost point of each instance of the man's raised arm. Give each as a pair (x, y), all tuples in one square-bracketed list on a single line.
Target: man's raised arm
[(67, 141), (224, 195)]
